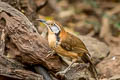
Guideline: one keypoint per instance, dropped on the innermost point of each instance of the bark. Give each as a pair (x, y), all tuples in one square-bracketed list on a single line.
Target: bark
[(23, 42), (32, 48), (15, 70), (11, 69)]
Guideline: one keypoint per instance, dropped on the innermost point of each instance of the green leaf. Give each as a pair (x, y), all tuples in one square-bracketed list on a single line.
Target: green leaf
[(117, 25)]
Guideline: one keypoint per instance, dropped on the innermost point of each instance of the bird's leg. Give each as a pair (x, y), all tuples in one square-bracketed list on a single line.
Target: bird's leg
[(53, 52), (63, 72)]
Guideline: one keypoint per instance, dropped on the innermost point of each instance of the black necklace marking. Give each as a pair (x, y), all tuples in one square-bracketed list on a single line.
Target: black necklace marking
[(57, 38)]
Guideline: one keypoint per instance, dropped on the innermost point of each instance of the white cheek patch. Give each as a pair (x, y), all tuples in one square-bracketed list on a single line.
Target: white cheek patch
[(55, 29)]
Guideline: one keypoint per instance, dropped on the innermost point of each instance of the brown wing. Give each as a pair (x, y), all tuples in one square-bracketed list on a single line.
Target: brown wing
[(73, 44)]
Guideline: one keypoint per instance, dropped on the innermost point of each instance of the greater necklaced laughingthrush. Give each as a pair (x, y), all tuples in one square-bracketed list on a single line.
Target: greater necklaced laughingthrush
[(67, 45)]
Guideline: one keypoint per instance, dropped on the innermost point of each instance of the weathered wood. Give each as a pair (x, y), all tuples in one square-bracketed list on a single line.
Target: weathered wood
[(2, 41), (11, 69), (23, 41), (32, 48)]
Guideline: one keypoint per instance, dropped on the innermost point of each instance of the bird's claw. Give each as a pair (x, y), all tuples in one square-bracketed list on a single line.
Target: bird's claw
[(61, 73), (51, 53)]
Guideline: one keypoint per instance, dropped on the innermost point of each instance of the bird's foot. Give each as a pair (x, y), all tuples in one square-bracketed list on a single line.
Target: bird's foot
[(61, 73), (83, 65), (51, 53), (75, 64)]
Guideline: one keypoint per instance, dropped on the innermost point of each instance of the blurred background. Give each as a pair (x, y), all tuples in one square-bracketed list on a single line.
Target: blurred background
[(99, 19)]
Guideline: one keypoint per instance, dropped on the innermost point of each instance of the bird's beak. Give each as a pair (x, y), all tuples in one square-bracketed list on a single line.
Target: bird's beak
[(43, 21)]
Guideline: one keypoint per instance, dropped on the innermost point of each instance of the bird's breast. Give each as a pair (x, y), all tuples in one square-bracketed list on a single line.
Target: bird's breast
[(52, 40)]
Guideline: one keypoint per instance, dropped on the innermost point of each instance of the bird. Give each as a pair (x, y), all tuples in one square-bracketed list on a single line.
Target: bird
[(68, 46)]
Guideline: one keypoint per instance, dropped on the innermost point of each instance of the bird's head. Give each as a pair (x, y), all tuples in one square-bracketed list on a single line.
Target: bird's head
[(53, 27)]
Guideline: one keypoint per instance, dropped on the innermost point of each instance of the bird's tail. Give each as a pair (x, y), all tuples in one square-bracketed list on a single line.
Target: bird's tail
[(86, 58)]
